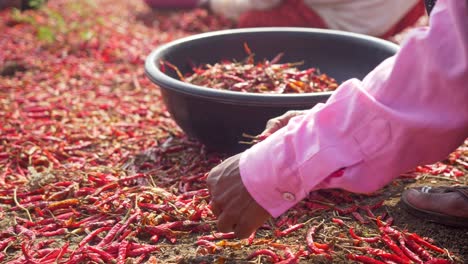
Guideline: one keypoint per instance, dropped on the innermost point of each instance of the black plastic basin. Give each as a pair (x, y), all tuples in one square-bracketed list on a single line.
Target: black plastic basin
[(217, 118)]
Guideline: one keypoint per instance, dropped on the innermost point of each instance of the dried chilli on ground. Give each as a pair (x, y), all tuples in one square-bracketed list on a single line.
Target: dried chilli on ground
[(93, 169), (258, 77)]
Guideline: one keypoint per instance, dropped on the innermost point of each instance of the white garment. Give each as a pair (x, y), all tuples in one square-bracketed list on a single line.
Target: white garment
[(234, 8), (371, 17)]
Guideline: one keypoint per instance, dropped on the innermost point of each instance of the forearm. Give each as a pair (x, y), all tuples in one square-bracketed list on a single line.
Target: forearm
[(410, 110)]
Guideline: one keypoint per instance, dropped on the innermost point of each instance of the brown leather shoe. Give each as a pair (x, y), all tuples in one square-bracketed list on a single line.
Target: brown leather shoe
[(435, 198)]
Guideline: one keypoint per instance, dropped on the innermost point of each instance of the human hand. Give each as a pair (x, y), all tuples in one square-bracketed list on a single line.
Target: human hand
[(279, 122), (235, 208)]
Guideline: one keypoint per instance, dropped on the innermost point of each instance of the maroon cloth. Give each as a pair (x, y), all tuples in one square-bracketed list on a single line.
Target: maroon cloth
[(290, 13)]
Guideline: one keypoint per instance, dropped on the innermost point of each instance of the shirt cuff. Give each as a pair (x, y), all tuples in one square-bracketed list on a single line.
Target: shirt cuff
[(281, 170)]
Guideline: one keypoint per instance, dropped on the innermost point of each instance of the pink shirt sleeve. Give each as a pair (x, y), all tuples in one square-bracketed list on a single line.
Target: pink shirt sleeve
[(411, 110)]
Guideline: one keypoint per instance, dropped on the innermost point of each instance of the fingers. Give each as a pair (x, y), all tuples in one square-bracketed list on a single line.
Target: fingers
[(216, 208), (232, 213), (231, 202), (272, 126), (227, 222), (252, 218), (244, 222), (277, 123)]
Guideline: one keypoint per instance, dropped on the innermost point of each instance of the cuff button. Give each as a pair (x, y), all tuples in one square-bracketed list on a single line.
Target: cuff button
[(289, 196)]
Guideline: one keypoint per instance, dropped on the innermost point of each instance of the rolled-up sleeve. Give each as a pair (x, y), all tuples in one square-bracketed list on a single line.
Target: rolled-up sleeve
[(411, 110)]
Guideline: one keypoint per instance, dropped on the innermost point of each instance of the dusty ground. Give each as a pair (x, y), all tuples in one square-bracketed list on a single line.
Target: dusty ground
[(76, 110)]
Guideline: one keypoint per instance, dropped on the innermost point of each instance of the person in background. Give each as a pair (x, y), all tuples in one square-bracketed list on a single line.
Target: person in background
[(410, 110), (380, 18)]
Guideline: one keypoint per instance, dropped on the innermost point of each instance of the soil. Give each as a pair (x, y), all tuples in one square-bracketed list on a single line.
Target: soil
[(112, 38)]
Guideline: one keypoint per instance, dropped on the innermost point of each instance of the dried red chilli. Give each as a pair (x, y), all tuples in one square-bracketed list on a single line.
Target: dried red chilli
[(290, 257), (389, 221), (4, 243), (418, 250), (410, 254), (147, 249), (92, 235), (125, 234), (310, 241), (90, 219), (104, 223), (48, 227), (64, 184), (289, 230), (251, 238), (63, 204), (359, 217), (338, 221), (424, 243), (44, 243), (94, 257), (132, 178), (390, 231), (365, 239), (385, 255), (379, 222), (81, 118), (212, 246), (33, 198), (264, 252), (438, 261), (217, 236), (122, 253), (134, 217), (27, 254), (108, 200), (106, 257), (440, 168), (139, 259), (78, 258), (60, 231), (21, 230), (156, 207), (258, 77), (376, 205), (281, 221), (84, 191), (110, 235), (394, 247), (348, 210), (363, 259), (56, 255), (32, 205), (25, 222)]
